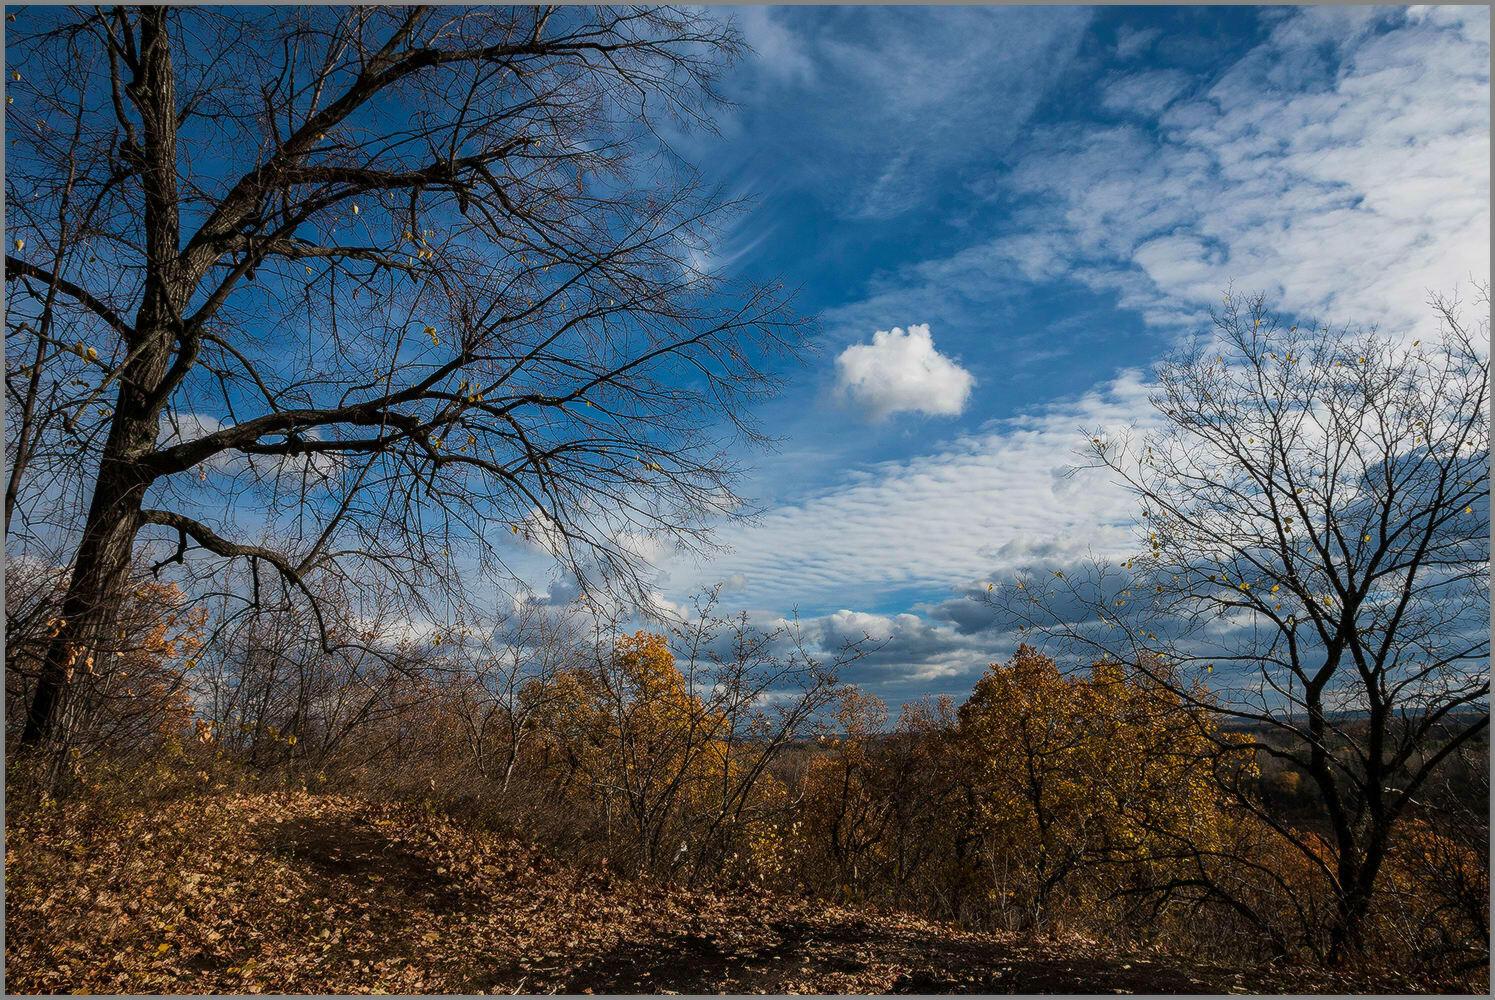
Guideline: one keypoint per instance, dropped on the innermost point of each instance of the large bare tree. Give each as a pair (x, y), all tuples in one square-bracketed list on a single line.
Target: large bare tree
[(359, 291), (1315, 527)]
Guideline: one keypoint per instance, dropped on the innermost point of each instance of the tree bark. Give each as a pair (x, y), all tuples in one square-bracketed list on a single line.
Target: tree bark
[(102, 564), (100, 571)]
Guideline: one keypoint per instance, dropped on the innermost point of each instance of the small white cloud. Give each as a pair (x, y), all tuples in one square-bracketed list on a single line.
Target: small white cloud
[(657, 607), (780, 51), (1131, 42), (1143, 93), (848, 626), (902, 372)]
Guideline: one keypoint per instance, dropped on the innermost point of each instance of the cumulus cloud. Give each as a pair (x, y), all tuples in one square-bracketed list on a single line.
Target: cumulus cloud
[(902, 373), (899, 657)]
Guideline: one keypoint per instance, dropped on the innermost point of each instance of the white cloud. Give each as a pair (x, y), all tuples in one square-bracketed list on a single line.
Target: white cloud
[(983, 502), (902, 94), (902, 373), (181, 427), (176, 428), (1344, 190), (539, 531), (1131, 42), (1144, 93), (849, 626), (781, 52)]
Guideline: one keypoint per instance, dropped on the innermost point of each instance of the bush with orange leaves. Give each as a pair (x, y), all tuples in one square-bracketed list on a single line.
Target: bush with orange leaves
[(878, 809), (670, 761), (1434, 908), (639, 746), (131, 694), (1047, 800), (126, 729), (1082, 789)]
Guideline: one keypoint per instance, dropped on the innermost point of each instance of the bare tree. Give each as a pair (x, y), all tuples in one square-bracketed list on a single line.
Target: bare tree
[(356, 292), (1315, 517), (509, 687)]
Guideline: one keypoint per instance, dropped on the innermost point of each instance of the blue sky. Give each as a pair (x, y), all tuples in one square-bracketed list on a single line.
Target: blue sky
[(1000, 218), (1003, 216)]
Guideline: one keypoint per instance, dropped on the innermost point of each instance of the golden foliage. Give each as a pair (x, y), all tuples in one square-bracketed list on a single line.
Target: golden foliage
[(1106, 776)]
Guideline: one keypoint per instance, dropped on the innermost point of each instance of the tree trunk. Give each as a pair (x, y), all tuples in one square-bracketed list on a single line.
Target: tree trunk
[(1357, 886), (102, 564), (101, 567), (100, 571)]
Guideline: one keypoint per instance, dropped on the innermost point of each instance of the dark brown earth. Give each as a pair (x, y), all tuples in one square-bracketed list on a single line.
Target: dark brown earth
[(297, 893)]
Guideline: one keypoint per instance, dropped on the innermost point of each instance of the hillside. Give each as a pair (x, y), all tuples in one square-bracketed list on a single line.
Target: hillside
[(287, 892)]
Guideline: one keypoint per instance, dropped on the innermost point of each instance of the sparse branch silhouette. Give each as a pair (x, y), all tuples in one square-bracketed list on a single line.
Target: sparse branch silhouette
[(395, 274)]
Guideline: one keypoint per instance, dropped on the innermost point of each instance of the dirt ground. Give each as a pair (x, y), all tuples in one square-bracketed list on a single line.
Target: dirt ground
[(297, 893)]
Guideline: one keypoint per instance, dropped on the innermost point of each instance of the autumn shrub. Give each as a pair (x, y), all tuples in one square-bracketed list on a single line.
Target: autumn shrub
[(1434, 911), (1098, 802), (129, 720), (875, 821), (1084, 789), (659, 768)]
